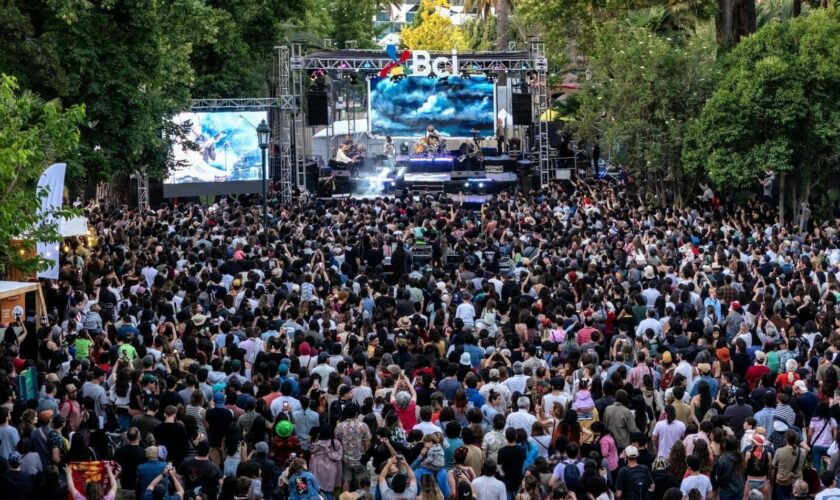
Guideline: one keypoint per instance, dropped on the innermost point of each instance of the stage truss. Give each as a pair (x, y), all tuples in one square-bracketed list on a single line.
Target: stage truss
[(268, 104), (293, 80)]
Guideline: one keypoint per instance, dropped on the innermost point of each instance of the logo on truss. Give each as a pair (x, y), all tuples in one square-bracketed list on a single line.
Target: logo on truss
[(397, 68)]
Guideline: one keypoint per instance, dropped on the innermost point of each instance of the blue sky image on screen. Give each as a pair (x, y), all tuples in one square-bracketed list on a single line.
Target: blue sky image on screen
[(228, 147), (404, 108)]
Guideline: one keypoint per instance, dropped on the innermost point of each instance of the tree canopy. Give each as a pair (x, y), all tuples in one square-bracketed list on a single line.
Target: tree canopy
[(33, 134), (434, 31), (777, 107)]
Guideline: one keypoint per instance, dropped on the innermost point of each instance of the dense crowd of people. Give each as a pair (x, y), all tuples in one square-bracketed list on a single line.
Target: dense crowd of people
[(576, 342)]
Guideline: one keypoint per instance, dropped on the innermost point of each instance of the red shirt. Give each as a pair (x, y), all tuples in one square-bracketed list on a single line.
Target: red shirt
[(755, 373), (782, 380), (408, 417)]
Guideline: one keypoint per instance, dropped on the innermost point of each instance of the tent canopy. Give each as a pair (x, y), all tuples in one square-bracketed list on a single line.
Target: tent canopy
[(11, 288)]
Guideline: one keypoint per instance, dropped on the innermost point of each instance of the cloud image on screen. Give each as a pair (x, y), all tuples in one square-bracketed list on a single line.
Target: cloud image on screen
[(228, 148), (406, 107)]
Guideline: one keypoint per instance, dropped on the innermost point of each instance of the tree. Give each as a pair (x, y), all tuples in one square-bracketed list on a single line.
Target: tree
[(569, 26), (237, 60), (434, 32), (33, 134), (352, 20), (736, 19), (777, 109), (127, 60), (644, 92), (480, 34)]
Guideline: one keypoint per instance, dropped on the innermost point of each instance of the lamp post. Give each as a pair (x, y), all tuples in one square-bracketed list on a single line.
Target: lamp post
[(263, 135)]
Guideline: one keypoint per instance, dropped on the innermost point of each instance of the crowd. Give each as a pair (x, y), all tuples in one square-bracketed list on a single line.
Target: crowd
[(576, 342)]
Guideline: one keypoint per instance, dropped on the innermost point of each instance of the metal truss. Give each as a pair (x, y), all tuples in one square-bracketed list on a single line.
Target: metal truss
[(252, 104), (349, 60), (541, 105), (283, 119), (142, 190)]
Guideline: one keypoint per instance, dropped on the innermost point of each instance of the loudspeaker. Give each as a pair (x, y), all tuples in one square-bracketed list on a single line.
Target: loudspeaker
[(317, 109), (521, 107), (528, 180)]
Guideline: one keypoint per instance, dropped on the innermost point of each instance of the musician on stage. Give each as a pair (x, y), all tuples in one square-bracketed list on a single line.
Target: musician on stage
[(431, 132)]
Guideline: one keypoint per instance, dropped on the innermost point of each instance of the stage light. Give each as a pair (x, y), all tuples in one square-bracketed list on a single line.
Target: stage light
[(480, 185), (466, 184)]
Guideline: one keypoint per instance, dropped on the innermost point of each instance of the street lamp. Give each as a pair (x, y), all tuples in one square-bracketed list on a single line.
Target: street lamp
[(263, 135)]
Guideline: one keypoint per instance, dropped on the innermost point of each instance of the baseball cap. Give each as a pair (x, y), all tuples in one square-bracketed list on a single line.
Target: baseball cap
[(760, 356), (631, 452), (801, 385)]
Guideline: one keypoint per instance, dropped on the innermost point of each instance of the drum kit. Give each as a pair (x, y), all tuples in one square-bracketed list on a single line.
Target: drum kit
[(430, 146)]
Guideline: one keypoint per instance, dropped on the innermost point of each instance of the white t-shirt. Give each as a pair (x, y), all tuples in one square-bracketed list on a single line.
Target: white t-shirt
[(699, 482), (828, 494), (668, 434)]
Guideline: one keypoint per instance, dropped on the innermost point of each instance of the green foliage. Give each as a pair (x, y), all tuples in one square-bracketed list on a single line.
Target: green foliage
[(128, 61), (351, 20), (434, 32), (33, 134), (777, 107), (572, 24), (480, 33), (767, 11), (642, 96)]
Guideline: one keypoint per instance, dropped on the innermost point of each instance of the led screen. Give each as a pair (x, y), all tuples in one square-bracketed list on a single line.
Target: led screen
[(455, 106), (228, 149)]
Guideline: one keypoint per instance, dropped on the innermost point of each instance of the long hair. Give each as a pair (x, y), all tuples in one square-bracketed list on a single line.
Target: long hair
[(677, 459), (731, 446), (429, 489), (670, 413), (705, 394), (93, 491)]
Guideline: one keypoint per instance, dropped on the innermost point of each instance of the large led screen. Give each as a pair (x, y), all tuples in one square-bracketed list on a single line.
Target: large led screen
[(228, 149), (454, 106)]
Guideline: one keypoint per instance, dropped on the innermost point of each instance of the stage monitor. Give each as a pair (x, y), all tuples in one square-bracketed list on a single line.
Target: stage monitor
[(228, 158), (454, 105)]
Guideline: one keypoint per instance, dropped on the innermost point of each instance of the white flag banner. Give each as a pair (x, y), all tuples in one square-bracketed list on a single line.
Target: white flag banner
[(53, 180)]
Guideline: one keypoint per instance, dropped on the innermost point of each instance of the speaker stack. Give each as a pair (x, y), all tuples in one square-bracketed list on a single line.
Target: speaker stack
[(521, 107), (317, 109)]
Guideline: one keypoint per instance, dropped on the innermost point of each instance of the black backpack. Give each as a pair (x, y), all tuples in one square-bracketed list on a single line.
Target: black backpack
[(640, 481)]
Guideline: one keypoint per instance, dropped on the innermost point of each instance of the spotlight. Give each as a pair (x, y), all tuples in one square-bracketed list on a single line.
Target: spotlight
[(466, 184), (480, 185)]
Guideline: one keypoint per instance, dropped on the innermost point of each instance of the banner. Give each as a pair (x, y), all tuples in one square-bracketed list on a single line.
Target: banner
[(53, 180), (92, 472)]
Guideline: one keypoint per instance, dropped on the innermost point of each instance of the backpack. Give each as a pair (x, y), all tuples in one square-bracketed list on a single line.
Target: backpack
[(571, 476), (640, 481)]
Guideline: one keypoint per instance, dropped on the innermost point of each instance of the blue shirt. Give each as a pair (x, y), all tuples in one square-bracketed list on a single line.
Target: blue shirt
[(475, 354), (474, 397), (147, 472), (713, 386), (295, 387), (764, 418), (449, 386)]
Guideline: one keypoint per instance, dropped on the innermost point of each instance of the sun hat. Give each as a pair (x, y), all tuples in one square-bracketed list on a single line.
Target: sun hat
[(465, 359)]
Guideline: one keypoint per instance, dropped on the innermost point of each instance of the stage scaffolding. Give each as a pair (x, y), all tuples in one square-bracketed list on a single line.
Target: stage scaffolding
[(293, 81)]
